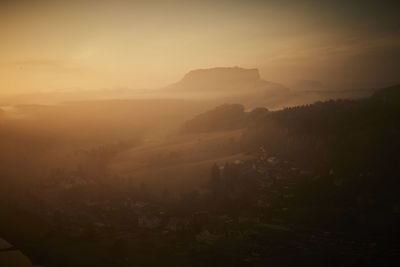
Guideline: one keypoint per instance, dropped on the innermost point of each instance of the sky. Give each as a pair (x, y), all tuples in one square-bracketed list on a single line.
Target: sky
[(90, 45)]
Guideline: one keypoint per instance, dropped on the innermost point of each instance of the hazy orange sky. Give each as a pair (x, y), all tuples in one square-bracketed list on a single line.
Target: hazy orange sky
[(84, 45)]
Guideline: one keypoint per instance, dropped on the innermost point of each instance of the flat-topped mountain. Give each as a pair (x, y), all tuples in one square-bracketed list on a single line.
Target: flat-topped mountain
[(224, 79)]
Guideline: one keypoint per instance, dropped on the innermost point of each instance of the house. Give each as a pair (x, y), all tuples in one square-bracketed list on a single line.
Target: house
[(149, 221)]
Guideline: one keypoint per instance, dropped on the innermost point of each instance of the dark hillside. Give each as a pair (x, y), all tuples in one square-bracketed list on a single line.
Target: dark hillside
[(350, 151), (329, 134)]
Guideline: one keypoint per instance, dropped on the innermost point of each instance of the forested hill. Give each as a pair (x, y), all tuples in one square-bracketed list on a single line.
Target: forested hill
[(349, 147), (351, 133), (359, 132), (345, 135), (223, 118)]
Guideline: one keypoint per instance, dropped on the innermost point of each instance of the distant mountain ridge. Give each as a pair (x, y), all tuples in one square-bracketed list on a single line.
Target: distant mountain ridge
[(245, 86), (224, 79), (214, 86)]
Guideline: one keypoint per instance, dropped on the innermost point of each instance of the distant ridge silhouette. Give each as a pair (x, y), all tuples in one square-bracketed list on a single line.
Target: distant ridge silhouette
[(224, 79)]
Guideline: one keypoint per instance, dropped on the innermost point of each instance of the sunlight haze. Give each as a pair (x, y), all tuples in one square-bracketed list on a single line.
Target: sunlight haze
[(86, 45)]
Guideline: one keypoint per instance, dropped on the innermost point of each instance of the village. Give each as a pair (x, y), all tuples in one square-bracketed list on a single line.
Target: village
[(242, 202)]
